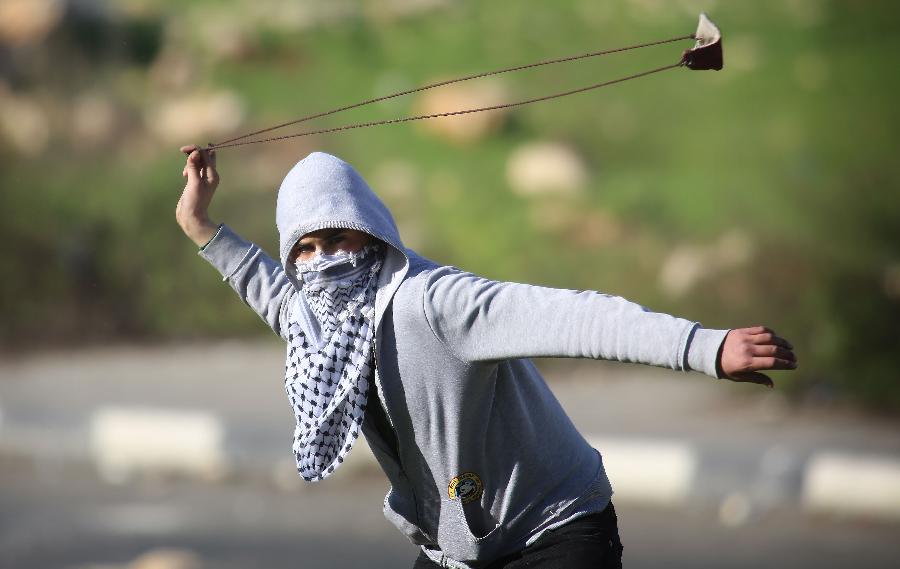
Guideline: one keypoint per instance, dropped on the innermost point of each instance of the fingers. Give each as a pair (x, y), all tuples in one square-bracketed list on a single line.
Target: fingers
[(765, 335), (200, 165), (747, 351), (212, 175), (192, 167), (774, 351), (770, 351), (771, 363)]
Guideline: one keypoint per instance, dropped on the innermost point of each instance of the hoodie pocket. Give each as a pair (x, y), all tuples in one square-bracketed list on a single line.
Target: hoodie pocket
[(400, 510), (462, 541), (475, 535)]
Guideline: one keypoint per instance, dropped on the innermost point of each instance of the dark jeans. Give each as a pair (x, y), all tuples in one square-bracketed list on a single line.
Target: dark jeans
[(589, 542)]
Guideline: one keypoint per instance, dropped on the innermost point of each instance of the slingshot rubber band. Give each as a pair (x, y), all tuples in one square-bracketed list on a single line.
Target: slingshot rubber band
[(706, 54)]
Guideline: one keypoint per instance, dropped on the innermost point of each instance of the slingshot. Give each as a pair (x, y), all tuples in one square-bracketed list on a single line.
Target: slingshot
[(706, 54)]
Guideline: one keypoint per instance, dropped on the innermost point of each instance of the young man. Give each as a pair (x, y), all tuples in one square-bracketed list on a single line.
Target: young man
[(486, 469)]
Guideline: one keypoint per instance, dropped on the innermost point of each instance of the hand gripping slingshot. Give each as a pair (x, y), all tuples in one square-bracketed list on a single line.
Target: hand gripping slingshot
[(706, 54)]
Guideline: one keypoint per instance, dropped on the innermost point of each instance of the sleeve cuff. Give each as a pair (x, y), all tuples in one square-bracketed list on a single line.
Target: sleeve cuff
[(703, 351), (226, 251)]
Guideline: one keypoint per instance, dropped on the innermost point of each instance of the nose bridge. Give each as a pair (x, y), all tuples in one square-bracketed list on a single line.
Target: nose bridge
[(325, 246)]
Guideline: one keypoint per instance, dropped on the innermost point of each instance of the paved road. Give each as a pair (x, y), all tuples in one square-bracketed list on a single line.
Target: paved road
[(54, 519), (742, 509)]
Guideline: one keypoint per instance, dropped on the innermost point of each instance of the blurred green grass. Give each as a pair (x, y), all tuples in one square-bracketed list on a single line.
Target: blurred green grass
[(791, 146)]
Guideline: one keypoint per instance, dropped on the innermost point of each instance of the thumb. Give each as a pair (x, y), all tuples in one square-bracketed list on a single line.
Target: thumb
[(754, 377)]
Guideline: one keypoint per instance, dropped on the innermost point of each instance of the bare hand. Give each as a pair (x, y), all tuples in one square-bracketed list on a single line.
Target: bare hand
[(747, 351), (192, 211)]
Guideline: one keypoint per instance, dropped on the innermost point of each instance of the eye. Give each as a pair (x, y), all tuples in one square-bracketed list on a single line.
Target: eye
[(301, 248)]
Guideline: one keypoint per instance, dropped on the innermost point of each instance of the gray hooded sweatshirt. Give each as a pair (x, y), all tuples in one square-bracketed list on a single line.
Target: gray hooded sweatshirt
[(483, 457)]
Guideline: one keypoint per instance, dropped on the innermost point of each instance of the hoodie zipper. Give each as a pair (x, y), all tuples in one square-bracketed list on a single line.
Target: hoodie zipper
[(381, 400)]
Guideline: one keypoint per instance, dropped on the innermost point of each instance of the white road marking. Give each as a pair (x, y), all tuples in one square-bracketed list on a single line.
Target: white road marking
[(129, 440), (853, 484), (648, 470)]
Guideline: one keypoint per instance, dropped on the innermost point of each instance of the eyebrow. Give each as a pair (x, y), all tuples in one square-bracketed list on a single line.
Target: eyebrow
[(330, 233)]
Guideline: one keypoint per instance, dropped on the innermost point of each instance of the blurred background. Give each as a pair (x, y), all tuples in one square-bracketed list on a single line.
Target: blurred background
[(763, 193)]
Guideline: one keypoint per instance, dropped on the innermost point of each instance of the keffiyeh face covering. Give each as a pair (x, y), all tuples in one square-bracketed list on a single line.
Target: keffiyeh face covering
[(328, 384)]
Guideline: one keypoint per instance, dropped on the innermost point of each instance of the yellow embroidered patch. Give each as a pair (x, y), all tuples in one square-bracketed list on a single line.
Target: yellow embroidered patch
[(467, 487)]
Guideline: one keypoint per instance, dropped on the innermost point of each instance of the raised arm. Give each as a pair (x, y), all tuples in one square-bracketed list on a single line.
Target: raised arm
[(479, 319), (258, 279), (192, 211)]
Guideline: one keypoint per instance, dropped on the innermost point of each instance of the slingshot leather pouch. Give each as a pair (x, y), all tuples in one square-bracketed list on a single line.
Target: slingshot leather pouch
[(707, 52)]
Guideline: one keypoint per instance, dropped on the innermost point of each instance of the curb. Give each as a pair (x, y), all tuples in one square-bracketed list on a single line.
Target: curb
[(651, 471), (122, 443), (853, 485)]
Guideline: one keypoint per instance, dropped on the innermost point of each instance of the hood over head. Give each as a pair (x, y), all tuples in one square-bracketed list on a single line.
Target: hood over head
[(322, 191)]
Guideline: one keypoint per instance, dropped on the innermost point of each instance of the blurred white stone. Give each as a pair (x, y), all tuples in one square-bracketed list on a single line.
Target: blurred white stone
[(733, 249), (735, 510), (688, 265), (867, 486), (129, 441), (94, 119), (545, 168), (457, 97), (167, 558), (196, 117), (24, 123), (27, 22), (225, 34), (299, 15), (683, 268)]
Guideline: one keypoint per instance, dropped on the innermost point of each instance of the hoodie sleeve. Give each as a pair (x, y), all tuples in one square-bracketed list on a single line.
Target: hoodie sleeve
[(257, 278), (482, 320)]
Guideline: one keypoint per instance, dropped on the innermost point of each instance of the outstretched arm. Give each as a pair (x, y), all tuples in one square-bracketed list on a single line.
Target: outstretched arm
[(481, 320)]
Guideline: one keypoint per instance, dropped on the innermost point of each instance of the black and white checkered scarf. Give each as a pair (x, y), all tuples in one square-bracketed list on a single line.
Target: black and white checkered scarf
[(327, 381)]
